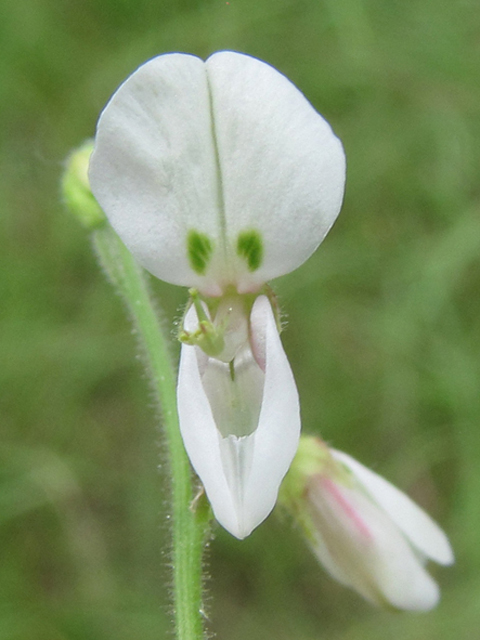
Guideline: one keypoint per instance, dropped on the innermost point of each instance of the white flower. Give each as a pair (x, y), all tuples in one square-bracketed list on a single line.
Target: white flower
[(219, 175), (369, 535), (240, 421)]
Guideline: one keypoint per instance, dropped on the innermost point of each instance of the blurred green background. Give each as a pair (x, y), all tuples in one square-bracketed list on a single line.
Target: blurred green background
[(383, 333)]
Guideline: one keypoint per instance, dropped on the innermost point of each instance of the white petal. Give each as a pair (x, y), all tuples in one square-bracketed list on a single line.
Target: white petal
[(202, 440), (242, 474), (416, 525), (363, 549), (278, 432), (282, 168), (153, 169), (222, 148)]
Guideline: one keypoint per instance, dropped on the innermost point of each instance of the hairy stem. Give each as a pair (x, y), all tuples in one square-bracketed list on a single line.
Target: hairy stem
[(189, 526)]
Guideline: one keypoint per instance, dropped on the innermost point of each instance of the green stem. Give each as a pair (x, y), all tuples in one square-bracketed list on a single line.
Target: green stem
[(190, 526)]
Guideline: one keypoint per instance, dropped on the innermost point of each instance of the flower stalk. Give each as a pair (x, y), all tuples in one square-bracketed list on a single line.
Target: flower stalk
[(189, 525)]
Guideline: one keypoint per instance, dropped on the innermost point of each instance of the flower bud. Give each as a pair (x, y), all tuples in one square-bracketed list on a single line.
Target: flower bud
[(368, 535), (76, 189)]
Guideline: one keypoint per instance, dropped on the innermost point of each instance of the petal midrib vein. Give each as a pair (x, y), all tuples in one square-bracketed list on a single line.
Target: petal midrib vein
[(220, 195)]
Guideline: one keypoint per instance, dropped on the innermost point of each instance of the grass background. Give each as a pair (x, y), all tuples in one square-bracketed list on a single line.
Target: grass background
[(384, 320)]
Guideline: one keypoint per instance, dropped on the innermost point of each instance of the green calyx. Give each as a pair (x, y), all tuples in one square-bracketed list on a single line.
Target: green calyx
[(208, 336), (313, 458), (76, 189), (312, 461)]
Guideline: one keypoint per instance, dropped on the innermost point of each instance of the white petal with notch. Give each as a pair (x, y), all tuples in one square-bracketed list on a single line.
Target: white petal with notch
[(216, 173)]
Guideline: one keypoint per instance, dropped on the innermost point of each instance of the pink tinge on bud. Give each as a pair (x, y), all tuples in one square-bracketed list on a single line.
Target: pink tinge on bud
[(339, 501), (370, 536)]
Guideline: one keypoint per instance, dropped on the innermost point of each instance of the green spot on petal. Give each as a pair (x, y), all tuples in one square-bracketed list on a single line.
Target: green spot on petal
[(250, 247), (200, 248)]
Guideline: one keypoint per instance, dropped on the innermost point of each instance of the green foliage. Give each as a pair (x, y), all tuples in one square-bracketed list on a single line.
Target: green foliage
[(383, 320)]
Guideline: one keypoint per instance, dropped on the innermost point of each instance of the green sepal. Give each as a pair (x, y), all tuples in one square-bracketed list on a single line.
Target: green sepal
[(313, 458)]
